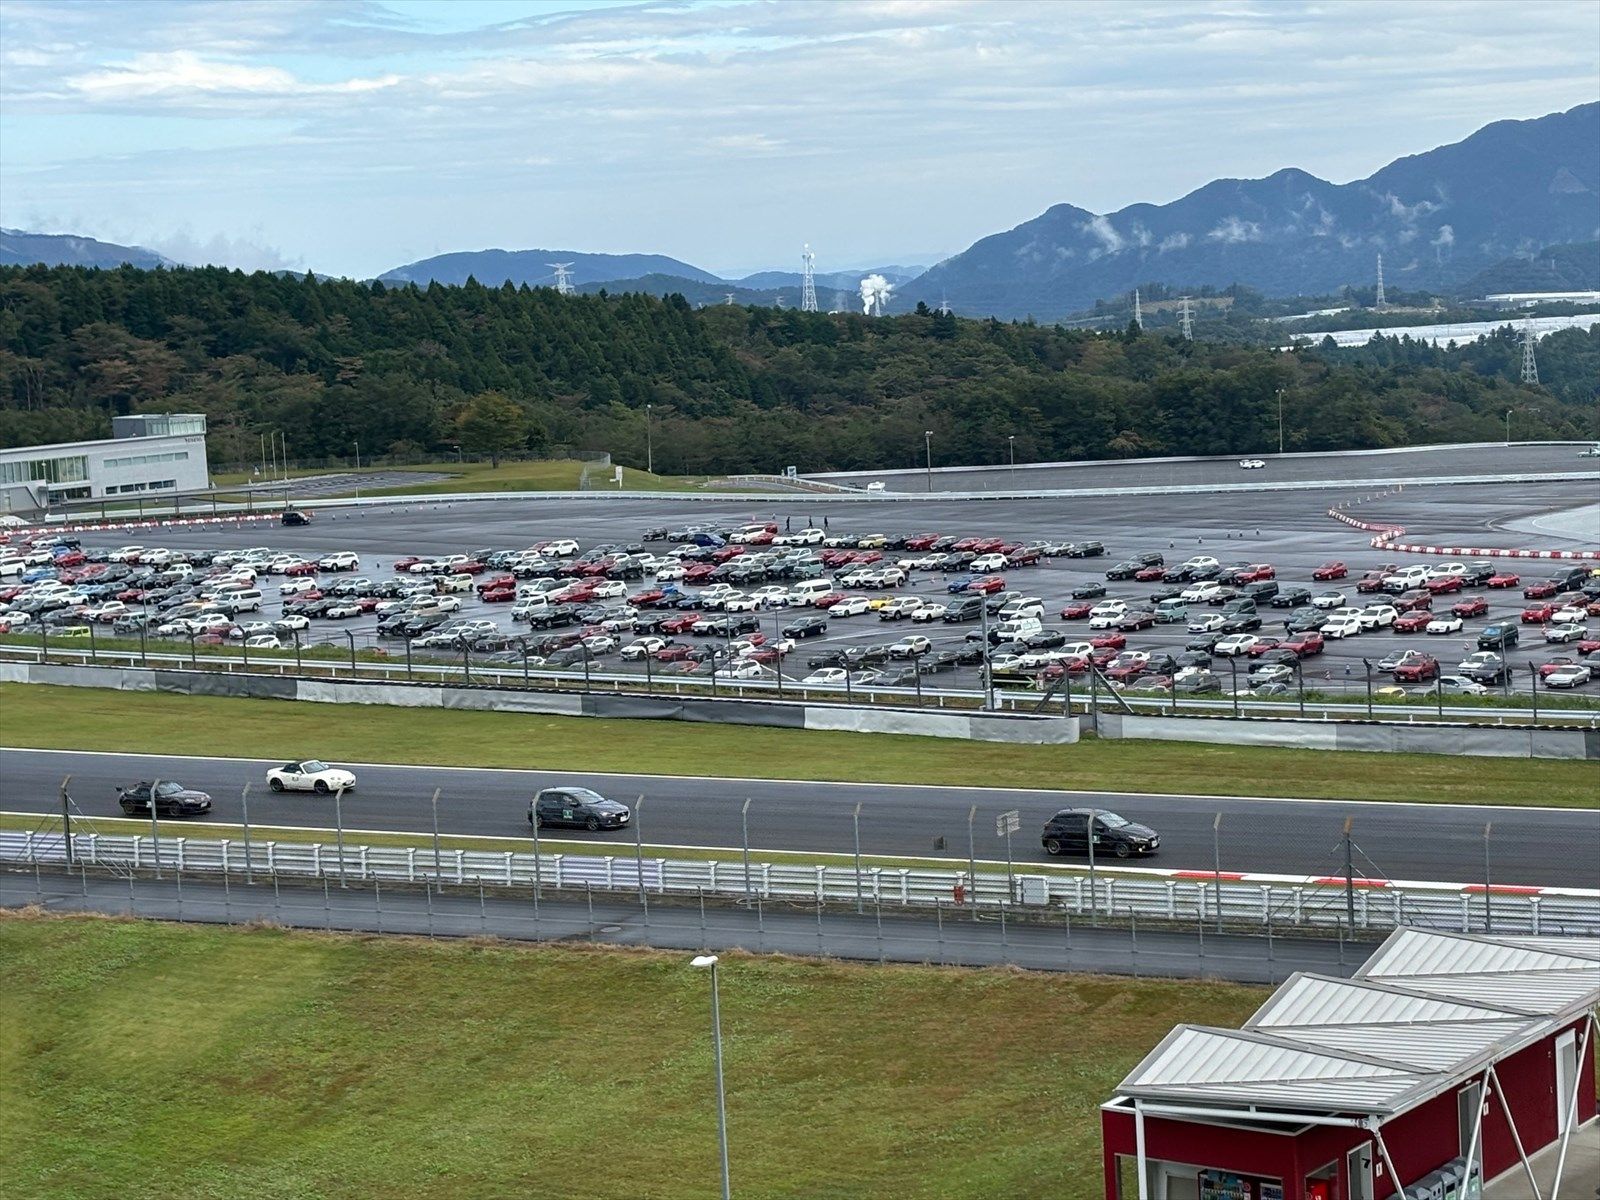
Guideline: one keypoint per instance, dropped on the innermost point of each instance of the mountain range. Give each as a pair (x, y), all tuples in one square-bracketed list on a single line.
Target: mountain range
[(1456, 220)]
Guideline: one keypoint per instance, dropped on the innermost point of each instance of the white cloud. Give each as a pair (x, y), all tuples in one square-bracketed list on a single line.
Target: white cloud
[(1173, 241), (1231, 229), (1110, 240)]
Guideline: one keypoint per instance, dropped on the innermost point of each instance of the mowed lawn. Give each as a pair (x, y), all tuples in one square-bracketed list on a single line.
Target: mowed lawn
[(149, 1060), (552, 475), (159, 723)]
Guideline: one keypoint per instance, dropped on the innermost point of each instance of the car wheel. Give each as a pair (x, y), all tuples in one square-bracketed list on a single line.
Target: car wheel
[(1052, 847), (321, 787), (1122, 850), (275, 784), (592, 824)]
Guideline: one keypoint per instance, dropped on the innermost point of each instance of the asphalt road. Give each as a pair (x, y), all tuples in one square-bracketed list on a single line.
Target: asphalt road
[(1422, 463), (1290, 530), (1399, 841)]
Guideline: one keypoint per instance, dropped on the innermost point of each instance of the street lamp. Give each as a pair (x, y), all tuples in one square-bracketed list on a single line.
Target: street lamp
[(705, 962), (1509, 411), (1011, 440), (649, 442), (1280, 420), (927, 444)]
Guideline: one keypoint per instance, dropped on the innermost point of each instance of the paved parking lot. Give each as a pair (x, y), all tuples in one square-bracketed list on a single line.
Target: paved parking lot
[(1288, 530)]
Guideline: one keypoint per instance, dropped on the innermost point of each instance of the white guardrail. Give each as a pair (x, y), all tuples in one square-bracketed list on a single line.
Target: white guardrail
[(1185, 897)]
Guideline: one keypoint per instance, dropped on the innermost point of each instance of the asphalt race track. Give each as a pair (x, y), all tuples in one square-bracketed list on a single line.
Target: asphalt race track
[(1542, 847)]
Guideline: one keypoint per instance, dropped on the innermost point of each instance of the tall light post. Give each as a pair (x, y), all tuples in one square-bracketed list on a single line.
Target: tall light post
[(649, 442), (1011, 442), (1509, 411), (927, 445), (1280, 420), (709, 962)]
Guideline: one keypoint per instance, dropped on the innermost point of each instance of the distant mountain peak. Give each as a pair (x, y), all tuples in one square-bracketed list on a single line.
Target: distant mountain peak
[(533, 267), (20, 248)]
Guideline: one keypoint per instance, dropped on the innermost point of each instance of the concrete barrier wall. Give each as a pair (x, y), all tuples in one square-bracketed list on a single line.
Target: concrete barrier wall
[(1490, 741)]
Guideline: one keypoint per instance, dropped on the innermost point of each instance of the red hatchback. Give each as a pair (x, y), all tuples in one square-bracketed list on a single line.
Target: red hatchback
[(1540, 591), (1538, 614), (988, 585), (1330, 570), (1305, 645), (1473, 606), (1443, 584), (1150, 574), (1412, 622), (498, 595), (1505, 579), (1078, 610), (1417, 668)]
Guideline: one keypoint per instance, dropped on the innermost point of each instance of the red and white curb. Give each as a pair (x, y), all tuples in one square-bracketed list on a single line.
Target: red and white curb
[(1388, 536), (27, 533)]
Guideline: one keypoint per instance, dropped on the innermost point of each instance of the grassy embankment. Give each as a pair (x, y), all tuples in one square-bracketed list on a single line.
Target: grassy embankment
[(541, 476), (92, 719), (149, 1060)]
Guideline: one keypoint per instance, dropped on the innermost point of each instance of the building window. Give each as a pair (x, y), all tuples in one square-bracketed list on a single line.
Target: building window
[(140, 460), (73, 468)]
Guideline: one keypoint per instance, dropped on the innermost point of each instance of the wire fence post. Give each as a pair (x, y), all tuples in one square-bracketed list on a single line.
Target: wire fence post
[(434, 805), (244, 804), (338, 817), (857, 823), (1216, 864), (638, 859), (1488, 889), (972, 864), (744, 825)]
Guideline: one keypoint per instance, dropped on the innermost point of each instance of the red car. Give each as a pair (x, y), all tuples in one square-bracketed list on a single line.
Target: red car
[(1412, 622), (672, 654), (1136, 620), (1125, 672), (301, 568), (1555, 664), (1505, 579), (495, 582), (1256, 572), (1305, 645), (988, 546), (864, 557), (406, 563), (1108, 641), (988, 585), (471, 567), (724, 554), (71, 558), (1150, 574), (682, 623), (1587, 646), (966, 543), (1330, 570), (367, 603), (1078, 610), (1372, 581), (1443, 584), (1021, 558), (647, 597), (498, 595), (1540, 591), (828, 599), (922, 541), (1538, 614), (699, 573), (1261, 647), (1473, 606), (1415, 670), (1414, 601)]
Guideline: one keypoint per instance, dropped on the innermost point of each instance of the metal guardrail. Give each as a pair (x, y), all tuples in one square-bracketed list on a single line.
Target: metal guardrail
[(1324, 905)]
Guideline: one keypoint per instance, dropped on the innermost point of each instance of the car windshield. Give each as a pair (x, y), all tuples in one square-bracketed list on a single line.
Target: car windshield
[(166, 788), (585, 796), (312, 766), (1111, 821)]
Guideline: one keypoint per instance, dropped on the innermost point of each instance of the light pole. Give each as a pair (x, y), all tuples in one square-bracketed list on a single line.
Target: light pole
[(1011, 442), (649, 442), (927, 445), (1280, 420), (1509, 411), (709, 962)]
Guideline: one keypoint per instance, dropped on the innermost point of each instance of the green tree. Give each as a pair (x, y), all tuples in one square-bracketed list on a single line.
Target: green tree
[(492, 423)]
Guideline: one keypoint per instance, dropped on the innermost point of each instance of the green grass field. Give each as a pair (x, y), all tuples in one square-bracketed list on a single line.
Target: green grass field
[(93, 719), (560, 475), (149, 1060)]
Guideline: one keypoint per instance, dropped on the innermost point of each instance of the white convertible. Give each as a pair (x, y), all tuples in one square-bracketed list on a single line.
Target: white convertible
[(310, 776)]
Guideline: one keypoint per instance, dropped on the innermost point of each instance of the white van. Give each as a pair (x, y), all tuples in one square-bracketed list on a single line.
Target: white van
[(1022, 606), (11, 566), (247, 600), (1017, 629), (808, 591)]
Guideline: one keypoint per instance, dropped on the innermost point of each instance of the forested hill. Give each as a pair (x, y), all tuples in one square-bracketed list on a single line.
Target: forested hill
[(331, 363)]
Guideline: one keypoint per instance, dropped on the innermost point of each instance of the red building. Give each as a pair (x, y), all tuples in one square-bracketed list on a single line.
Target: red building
[(1444, 1050)]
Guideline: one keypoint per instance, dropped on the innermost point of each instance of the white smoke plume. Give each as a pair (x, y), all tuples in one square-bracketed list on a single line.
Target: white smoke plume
[(875, 291), (1101, 229)]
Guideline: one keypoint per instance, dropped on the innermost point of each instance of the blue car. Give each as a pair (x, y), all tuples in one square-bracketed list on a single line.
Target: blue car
[(38, 574), (959, 584)]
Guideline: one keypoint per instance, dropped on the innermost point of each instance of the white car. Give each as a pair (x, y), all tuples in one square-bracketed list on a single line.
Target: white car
[(1209, 623), (1341, 627), (851, 606), (1106, 614), (292, 621), (342, 610), (738, 602), (914, 646), (1235, 645), (561, 548), (741, 668), (669, 572), (1574, 614), (986, 564), (1252, 464), (641, 648), (1376, 616), (1569, 676), (827, 677), (930, 612), (125, 554), (899, 608), (1444, 623), (310, 776), (600, 643), (805, 537), (1570, 632), (257, 629), (295, 586), (609, 588), (1328, 599), (339, 560), (1200, 592), (1482, 659), (262, 641), (771, 596)]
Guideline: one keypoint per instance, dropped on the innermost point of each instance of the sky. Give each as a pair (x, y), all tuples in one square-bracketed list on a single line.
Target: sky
[(352, 136)]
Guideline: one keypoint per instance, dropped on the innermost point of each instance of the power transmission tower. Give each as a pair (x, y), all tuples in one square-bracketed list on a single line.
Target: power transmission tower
[(1138, 316), (563, 277), (728, 298), (1186, 315), (1530, 368), (808, 281), (1381, 301), (944, 306)]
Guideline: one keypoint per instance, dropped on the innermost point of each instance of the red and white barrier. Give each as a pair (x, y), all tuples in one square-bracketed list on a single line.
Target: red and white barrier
[(29, 532), (1388, 539)]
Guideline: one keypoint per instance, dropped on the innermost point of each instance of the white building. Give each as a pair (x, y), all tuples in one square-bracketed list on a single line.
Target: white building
[(159, 453)]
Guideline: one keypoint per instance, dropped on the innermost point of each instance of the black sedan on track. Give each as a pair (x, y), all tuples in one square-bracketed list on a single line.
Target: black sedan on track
[(172, 800), (576, 808)]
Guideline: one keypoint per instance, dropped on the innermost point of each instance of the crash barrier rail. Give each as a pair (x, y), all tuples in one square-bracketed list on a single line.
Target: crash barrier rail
[(1330, 903), (1550, 710), (1387, 536)]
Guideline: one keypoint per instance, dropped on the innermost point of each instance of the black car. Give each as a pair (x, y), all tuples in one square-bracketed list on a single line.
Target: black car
[(1203, 642), (578, 808), (806, 627), (1165, 593), (1308, 621), (1194, 658), (1125, 570), (1068, 833), (1089, 591), (1499, 636), (1045, 639), (1241, 622), (829, 658), (549, 618), (968, 608), (1292, 597), (172, 800), (293, 516), (1086, 550)]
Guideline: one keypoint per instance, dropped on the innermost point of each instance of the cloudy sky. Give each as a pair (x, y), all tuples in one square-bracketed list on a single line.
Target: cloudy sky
[(351, 136)]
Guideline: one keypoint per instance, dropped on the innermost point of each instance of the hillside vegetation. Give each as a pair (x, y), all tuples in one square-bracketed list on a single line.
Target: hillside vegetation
[(405, 370)]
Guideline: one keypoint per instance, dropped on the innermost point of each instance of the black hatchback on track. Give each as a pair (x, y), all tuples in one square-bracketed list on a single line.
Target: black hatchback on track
[(1068, 833), (576, 808)]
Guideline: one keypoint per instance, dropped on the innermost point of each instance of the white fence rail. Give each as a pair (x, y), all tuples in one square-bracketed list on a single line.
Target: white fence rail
[(1186, 900)]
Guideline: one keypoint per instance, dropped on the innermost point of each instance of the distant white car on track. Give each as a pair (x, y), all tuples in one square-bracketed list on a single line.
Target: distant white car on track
[(310, 775), (1252, 464)]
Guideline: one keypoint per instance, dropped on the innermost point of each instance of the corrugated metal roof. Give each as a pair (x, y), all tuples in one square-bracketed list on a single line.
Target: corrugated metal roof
[(1426, 1010)]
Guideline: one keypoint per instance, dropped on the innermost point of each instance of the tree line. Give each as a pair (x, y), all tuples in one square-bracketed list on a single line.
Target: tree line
[(410, 370)]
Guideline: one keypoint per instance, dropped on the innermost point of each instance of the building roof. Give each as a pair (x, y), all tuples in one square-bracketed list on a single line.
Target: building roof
[(1427, 1010)]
